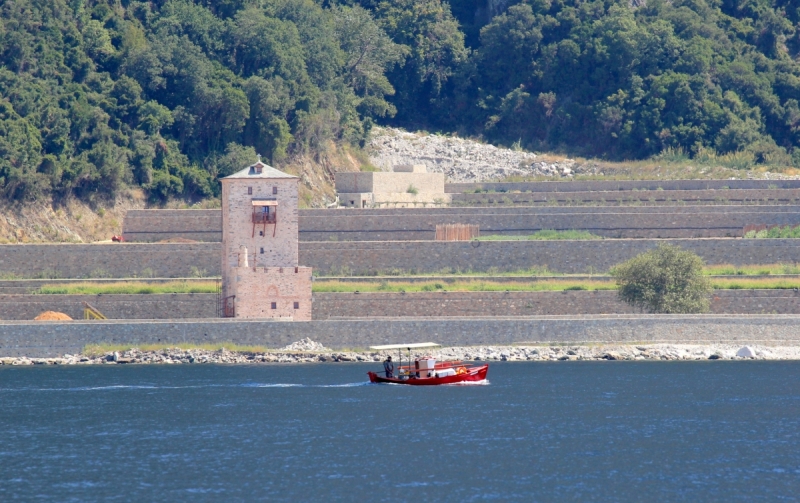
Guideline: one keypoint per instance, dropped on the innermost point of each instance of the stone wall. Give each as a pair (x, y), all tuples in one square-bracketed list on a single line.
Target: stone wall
[(660, 197), (373, 257), (349, 305), (420, 224), (574, 257), (151, 226), (125, 260), (134, 307), (47, 339), (604, 185), (272, 292), (614, 222), (271, 245), (465, 304)]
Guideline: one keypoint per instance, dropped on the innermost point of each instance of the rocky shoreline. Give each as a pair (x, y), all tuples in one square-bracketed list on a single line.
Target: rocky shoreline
[(302, 353)]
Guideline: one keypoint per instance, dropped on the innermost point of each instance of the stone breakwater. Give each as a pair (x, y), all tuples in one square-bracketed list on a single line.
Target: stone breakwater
[(653, 352)]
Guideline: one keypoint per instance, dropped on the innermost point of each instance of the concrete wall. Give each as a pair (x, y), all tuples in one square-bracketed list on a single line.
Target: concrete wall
[(390, 189), (389, 182), (420, 224), (622, 185), (45, 339), (373, 257)]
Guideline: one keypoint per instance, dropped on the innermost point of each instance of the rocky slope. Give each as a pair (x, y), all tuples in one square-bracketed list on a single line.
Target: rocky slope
[(464, 160), (78, 221)]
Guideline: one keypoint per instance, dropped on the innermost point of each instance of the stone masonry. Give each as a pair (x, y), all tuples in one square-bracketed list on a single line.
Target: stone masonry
[(351, 305), (47, 339), (261, 277), (420, 223), (373, 257)]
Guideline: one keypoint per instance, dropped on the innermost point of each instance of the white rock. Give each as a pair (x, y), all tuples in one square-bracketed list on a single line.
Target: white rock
[(746, 352), (304, 345)]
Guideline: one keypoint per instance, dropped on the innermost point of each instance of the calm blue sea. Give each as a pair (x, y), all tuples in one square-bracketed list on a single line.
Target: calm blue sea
[(562, 431)]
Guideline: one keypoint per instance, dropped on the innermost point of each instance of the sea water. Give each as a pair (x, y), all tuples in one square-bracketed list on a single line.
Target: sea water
[(561, 431)]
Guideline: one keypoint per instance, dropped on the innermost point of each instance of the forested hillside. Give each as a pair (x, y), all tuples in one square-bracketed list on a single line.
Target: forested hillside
[(170, 95)]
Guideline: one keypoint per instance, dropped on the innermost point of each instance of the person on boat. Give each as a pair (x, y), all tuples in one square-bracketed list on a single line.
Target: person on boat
[(388, 366)]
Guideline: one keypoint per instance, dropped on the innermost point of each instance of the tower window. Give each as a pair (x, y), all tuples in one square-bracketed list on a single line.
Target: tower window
[(297, 305), (249, 191), (274, 190), (274, 305), (261, 233), (262, 250)]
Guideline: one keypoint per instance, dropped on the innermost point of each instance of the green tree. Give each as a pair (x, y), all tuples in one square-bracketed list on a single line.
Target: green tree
[(368, 53), (666, 280)]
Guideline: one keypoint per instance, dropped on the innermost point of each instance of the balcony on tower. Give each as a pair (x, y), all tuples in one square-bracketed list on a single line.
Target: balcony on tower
[(265, 211)]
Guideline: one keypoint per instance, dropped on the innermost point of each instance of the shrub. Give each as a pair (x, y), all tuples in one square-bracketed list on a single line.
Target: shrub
[(665, 280)]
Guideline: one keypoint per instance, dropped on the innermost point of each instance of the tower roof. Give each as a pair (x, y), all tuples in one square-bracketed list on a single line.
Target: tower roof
[(259, 170)]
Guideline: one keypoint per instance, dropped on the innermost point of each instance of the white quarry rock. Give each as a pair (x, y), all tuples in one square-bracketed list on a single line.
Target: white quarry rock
[(746, 352), (305, 345), (462, 160)]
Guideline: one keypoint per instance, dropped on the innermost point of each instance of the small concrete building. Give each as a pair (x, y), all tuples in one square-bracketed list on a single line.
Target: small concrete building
[(407, 186), (261, 277)]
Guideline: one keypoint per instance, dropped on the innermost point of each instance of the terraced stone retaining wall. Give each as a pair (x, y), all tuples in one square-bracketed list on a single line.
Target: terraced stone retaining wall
[(605, 185), (651, 197), (350, 305), (127, 260), (613, 222), (48, 339), (420, 224), (573, 257), (374, 257), (465, 304), (133, 307), (150, 226)]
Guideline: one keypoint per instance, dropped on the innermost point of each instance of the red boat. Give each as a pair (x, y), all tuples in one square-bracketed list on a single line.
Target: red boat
[(426, 371)]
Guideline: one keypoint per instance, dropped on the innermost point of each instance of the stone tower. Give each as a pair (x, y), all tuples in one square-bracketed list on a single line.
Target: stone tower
[(261, 277)]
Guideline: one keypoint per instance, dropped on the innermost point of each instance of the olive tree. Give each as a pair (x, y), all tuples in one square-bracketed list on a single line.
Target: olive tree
[(666, 280)]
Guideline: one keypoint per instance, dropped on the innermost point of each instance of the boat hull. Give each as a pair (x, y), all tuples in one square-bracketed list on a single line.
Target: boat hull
[(474, 374)]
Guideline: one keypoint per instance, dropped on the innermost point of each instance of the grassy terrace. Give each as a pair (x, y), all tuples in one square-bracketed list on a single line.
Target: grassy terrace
[(129, 287), (714, 270), (450, 284), (543, 235), (95, 350)]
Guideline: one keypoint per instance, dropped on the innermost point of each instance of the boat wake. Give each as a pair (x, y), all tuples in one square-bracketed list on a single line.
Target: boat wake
[(107, 388), (485, 382), (122, 387), (280, 385)]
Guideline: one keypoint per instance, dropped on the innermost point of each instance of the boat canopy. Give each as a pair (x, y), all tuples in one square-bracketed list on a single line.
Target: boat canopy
[(407, 346)]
